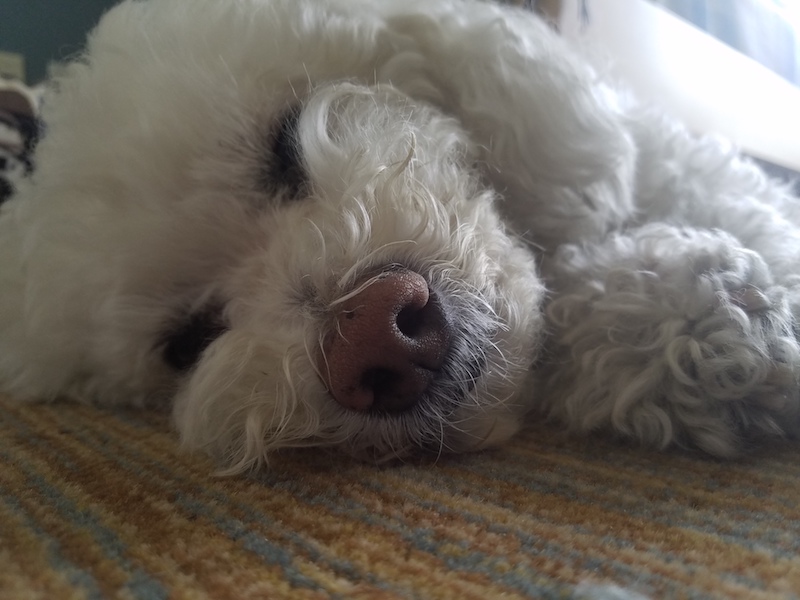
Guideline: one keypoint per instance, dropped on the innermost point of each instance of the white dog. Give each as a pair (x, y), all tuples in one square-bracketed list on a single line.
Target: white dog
[(332, 222)]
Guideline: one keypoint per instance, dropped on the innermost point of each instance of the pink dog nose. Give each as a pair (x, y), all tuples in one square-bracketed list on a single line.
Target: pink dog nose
[(391, 340)]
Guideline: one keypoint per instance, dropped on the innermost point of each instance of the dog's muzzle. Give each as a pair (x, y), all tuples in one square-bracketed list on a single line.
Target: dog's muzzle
[(389, 344)]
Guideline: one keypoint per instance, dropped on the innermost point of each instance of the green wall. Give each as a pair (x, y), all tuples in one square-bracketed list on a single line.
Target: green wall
[(46, 30)]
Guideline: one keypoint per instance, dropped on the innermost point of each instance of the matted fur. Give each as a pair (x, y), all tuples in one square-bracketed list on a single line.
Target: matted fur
[(462, 140)]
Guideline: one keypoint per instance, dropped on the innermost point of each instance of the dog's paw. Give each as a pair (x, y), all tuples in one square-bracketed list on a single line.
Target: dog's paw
[(673, 336)]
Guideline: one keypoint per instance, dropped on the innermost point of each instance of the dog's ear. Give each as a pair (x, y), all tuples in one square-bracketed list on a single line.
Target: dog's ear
[(551, 137)]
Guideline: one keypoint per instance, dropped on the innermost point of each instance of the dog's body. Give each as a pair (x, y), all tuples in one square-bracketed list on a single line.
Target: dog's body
[(280, 215)]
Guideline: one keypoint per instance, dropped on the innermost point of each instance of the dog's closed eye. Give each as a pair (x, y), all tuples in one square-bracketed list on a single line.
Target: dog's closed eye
[(186, 341), (284, 169)]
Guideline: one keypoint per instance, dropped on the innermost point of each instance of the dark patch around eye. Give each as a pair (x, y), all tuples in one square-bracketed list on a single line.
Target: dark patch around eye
[(185, 343), (284, 169)]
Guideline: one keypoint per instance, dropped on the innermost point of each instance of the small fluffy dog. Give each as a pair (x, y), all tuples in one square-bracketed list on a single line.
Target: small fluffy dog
[(389, 226)]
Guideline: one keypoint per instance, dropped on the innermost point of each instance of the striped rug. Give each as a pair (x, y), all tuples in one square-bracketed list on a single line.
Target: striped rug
[(100, 504)]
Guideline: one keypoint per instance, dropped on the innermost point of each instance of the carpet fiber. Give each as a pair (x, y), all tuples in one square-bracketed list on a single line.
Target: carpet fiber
[(97, 504)]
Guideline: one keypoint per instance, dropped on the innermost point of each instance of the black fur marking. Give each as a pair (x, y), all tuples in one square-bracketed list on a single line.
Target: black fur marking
[(184, 344), (284, 169), (6, 189)]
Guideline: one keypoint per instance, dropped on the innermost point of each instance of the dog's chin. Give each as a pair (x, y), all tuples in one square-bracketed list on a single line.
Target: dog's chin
[(411, 436), (244, 400)]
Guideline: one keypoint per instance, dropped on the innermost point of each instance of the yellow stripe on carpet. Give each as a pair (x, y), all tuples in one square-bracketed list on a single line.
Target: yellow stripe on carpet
[(101, 504)]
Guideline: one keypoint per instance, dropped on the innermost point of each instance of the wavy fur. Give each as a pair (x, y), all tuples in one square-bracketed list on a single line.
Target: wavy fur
[(462, 140)]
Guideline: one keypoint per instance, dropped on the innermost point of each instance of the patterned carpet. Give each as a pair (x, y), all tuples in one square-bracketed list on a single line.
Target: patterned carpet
[(97, 504)]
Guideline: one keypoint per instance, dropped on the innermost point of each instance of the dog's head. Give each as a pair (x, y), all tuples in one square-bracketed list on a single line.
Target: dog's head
[(301, 256), (376, 301)]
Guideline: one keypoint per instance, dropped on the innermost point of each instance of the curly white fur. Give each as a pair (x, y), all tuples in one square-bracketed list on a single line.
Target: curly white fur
[(671, 262)]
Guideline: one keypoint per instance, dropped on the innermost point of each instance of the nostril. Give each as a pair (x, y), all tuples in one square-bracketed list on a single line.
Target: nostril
[(424, 328), (415, 321), (409, 321)]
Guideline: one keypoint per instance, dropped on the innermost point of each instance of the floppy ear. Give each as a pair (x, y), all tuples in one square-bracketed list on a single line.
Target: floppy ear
[(551, 136)]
